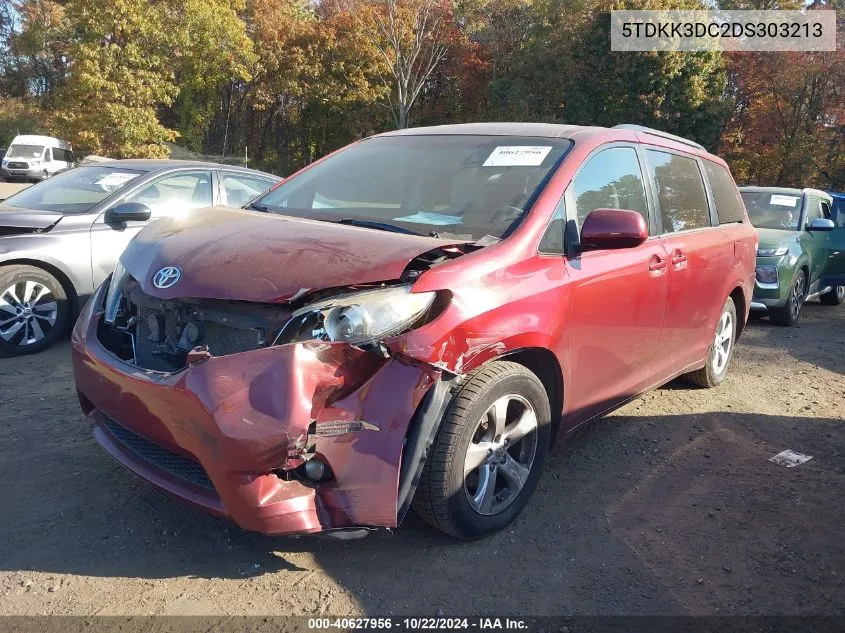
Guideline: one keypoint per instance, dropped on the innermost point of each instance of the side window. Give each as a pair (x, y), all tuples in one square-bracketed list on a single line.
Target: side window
[(612, 179), (240, 189), (814, 210), (552, 242), (63, 155), (826, 210), (176, 193), (729, 205), (681, 196)]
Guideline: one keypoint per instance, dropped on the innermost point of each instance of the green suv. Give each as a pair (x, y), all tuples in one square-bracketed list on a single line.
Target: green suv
[(801, 253)]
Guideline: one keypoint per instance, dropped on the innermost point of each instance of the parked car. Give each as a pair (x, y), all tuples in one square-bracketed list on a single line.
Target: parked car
[(420, 317), (33, 158), (60, 238), (801, 254)]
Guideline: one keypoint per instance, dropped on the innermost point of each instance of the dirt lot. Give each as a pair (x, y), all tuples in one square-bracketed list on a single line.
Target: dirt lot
[(667, 507)]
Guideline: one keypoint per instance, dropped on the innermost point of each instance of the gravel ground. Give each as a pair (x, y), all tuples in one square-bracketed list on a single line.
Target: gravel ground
[(669, 506)]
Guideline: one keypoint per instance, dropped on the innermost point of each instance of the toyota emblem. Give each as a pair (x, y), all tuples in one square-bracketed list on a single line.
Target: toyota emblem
[(167, 277)]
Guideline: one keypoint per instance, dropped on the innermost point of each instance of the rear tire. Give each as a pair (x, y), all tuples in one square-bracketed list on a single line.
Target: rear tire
[(834, 297), (720, 353), (488, 454), (789, 314), (34, 310)]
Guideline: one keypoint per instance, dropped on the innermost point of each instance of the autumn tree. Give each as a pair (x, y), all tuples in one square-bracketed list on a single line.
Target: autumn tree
[(412, 38), (788, 119), (128, 60), (315, 82), (33, 40)]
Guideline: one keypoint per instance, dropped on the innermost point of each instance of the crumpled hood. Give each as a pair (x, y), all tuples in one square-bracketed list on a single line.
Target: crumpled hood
[(250, 256), (15, 220), (772, 238)]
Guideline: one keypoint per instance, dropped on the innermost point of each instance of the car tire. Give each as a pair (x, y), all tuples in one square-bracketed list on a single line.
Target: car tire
[(495, 403), (834, 297), (34, 310), (789, 314), (720, 353)]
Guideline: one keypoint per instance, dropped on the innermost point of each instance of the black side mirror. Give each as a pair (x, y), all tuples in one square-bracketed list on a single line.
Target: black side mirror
[(128, 212)]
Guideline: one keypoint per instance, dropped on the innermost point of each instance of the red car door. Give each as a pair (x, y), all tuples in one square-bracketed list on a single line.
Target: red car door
[(618, 296), (700, 259)]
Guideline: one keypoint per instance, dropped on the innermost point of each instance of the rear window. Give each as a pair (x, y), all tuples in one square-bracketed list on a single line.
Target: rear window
[(729, 205), (680, 191)]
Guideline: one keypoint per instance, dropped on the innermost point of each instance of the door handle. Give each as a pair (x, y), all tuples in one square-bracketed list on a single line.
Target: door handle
[(657, 264), (679, 260)]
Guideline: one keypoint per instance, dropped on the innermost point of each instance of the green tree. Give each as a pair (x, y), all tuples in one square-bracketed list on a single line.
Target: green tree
[(128, 60)]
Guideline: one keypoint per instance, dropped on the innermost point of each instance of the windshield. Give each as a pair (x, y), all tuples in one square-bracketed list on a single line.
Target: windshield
[(75, 191), (768, 210), (462, 186), (25, 151)]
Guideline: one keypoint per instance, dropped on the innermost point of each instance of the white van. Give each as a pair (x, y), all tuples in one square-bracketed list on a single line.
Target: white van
[(31, 157)]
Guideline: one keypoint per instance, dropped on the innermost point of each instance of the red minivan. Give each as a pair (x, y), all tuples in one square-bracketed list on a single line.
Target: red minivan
[(414, 320)]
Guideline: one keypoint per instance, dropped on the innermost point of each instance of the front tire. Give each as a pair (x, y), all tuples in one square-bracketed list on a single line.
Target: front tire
[(720, 353), (489, 452), (789, 314), (834, 297), (34, 310)]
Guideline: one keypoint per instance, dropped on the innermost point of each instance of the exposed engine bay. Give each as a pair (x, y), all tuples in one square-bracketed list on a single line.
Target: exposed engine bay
[(167, 335)]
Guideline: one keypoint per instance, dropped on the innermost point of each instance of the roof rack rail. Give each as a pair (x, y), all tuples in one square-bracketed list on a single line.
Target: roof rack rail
[(661, 134)]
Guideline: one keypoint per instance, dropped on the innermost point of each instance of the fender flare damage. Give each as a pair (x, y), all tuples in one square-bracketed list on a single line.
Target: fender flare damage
[(420, 437)]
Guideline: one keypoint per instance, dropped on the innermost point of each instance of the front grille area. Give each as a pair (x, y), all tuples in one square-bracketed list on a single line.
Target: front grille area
[(175, 465), (158, 334), (12, 165)]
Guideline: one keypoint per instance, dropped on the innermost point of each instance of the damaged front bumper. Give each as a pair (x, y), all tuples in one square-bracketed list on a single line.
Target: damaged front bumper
[(232, 433)]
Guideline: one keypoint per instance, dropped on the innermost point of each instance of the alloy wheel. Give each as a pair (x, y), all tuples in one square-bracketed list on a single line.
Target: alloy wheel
[(500, 454), (722, 343), (28, 312), (840, 293), (798, 296)]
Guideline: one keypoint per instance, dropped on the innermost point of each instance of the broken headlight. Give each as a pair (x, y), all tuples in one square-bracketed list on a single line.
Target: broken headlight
[(358, 318), (115, 293)]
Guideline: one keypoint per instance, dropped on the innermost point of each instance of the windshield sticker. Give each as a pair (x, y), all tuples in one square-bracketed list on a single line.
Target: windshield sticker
[(783, 201), (430, 217), (518, 156), (114, 180)]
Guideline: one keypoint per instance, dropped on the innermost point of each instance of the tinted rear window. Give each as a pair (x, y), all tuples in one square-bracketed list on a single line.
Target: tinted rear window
[(729, 205)]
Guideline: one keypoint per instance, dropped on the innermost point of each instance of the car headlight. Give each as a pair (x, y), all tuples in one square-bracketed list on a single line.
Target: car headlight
[(772, 252), (358, 318), (115, 293)]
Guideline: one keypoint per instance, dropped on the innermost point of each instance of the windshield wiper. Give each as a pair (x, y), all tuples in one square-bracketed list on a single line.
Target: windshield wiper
[(381, 226), (258, 207)]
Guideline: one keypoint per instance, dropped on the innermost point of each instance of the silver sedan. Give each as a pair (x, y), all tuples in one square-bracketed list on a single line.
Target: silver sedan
[(61, 238)]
